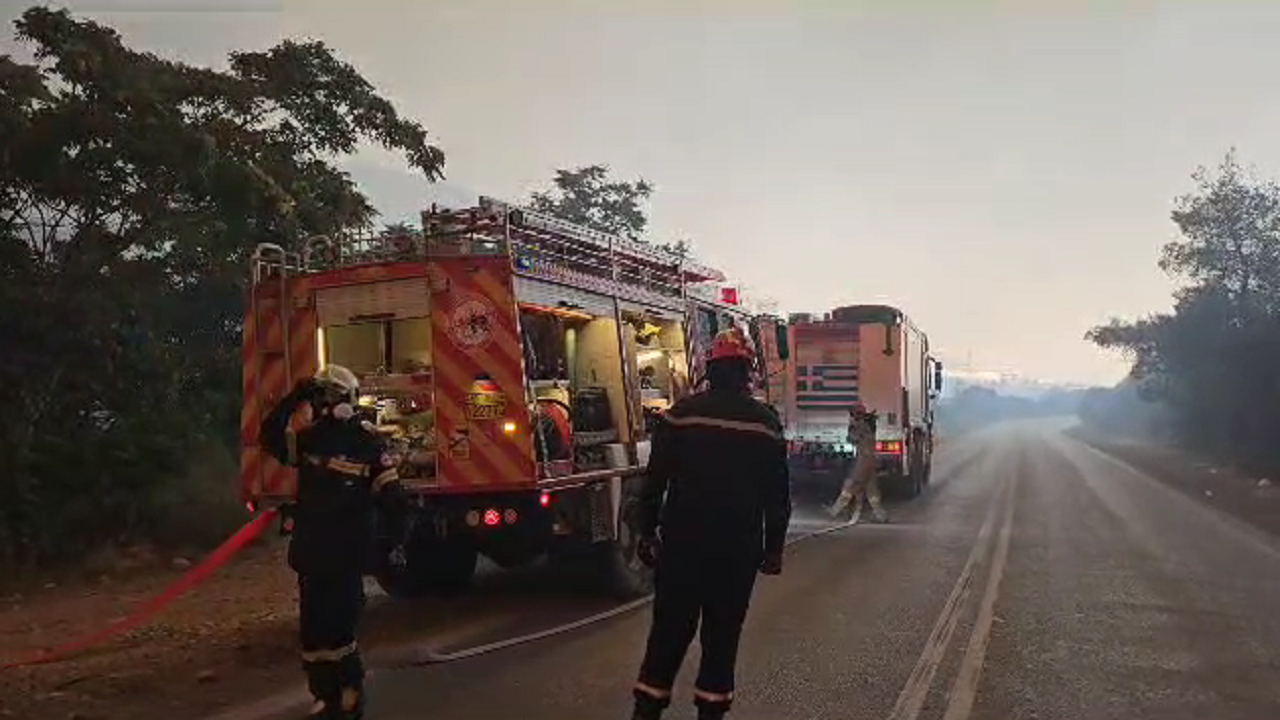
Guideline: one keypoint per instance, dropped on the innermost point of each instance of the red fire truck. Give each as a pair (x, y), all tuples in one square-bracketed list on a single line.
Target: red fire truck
[(516, 362)]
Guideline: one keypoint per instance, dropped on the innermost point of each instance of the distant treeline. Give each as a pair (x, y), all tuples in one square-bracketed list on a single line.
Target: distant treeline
[(1207, 374), (977, 406)]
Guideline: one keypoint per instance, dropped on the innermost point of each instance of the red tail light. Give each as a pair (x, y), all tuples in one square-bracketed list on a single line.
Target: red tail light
[(545, 500), (889, 447), (492, 517)]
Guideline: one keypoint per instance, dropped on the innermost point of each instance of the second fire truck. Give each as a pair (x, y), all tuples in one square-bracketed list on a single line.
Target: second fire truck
[(868, 354)]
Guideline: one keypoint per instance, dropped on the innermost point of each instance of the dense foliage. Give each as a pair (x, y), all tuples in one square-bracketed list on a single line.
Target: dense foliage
[(588, 197), (1214, 361), (132, 189)]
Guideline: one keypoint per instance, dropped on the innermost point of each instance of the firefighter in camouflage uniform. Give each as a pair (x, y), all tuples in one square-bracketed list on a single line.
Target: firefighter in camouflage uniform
[(345, 476), (862, 486)]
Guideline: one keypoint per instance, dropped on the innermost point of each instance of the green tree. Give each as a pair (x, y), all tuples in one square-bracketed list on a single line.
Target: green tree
[(588, 197), (1213, 359), (132, 190)]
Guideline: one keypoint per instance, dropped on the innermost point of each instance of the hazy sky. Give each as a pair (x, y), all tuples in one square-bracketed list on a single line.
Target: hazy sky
[(1002, 171)]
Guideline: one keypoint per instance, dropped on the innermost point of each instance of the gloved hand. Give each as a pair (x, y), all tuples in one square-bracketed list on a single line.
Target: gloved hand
[(307, 390), (772, 564), (397, 558), (647, 550)]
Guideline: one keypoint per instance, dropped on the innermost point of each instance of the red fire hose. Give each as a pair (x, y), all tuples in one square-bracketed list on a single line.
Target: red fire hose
[(196, 575)]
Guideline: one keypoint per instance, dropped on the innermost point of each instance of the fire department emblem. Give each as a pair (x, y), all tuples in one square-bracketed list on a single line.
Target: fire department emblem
[(472, 323)]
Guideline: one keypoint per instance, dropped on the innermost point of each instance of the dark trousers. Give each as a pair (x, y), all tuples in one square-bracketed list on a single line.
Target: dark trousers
[(692, 588), (329, 607)]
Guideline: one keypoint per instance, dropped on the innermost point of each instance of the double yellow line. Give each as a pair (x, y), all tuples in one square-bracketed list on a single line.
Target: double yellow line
[(992, 550)]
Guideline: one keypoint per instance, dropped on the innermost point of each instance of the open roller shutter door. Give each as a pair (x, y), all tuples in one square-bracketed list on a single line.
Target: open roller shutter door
[(387, 300), (538, 292)]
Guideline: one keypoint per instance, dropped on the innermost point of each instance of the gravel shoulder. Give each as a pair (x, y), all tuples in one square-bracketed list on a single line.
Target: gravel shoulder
[(233, 635), (1251, 498)]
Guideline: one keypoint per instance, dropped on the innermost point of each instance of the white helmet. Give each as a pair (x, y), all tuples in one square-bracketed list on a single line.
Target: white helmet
[(342, 383)]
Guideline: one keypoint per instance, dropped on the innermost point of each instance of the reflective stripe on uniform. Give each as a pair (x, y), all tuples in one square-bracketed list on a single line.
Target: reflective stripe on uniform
[(348, 467), (291, 447), (386, 476), (714, 697), (339, 465), (737, 425), (653, 692), (334, 655)]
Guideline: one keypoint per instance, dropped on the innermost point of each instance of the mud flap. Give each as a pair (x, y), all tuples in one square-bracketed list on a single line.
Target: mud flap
[(602, 503)]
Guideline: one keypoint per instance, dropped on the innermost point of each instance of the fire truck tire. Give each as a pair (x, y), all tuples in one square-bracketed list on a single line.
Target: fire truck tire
[(433, 566), (624, 575), (913, 482)]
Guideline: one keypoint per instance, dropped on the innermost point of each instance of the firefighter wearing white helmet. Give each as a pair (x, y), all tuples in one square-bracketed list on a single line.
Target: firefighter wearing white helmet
[(345, 476)]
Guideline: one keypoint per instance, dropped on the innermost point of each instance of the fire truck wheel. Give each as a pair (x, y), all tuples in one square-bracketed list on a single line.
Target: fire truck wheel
[(913, 480), (627, 577), (434, 566)]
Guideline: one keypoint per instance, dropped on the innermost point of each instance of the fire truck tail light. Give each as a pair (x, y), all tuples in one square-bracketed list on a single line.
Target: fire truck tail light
[(545, 500), (492, 517), (889, 447), (509, 427)]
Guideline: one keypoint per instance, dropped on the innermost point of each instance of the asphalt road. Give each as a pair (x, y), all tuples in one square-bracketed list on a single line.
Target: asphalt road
[(1037, 578)]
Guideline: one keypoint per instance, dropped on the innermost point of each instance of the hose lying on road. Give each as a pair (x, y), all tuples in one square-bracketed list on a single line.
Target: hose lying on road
[(250, 532), (428, 656), (196, 575)]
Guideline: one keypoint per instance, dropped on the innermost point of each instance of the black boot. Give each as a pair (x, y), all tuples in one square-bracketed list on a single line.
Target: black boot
[(648, 707), (324, 684), (708, 710), (352, 704), (351, 696)]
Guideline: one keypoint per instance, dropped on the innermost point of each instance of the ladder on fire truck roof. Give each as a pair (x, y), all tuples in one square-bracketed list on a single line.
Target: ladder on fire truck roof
[(547, 248), (541, 246)]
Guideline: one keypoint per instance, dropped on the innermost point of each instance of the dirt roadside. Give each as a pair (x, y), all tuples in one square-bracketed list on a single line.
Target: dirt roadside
[(230, 641), (1251, 498), (233, 635)]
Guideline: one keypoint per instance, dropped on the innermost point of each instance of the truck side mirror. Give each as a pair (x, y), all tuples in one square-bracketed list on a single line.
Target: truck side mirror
[(784, 350), (937, 376)]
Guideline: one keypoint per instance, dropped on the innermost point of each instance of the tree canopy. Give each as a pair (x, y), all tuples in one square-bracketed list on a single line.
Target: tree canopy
[(588, 197), (132, 190), (1213, 359)]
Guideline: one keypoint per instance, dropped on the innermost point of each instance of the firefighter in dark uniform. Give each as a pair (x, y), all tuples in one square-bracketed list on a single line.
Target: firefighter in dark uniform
[(713, 513), (345, 475)]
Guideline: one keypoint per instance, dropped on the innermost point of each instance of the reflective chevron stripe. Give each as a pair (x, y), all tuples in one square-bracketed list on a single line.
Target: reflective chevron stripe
[(722, 424)]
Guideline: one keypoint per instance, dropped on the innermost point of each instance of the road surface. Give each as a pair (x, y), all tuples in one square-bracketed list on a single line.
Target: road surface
[(1037, 578)]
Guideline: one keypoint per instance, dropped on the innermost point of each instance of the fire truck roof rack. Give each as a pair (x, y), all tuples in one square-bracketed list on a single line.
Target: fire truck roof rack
[(546, 247), (540, 245)]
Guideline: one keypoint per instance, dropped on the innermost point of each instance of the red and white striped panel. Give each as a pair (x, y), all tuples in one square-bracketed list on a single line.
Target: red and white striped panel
[(266, 379), (477, 358)]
